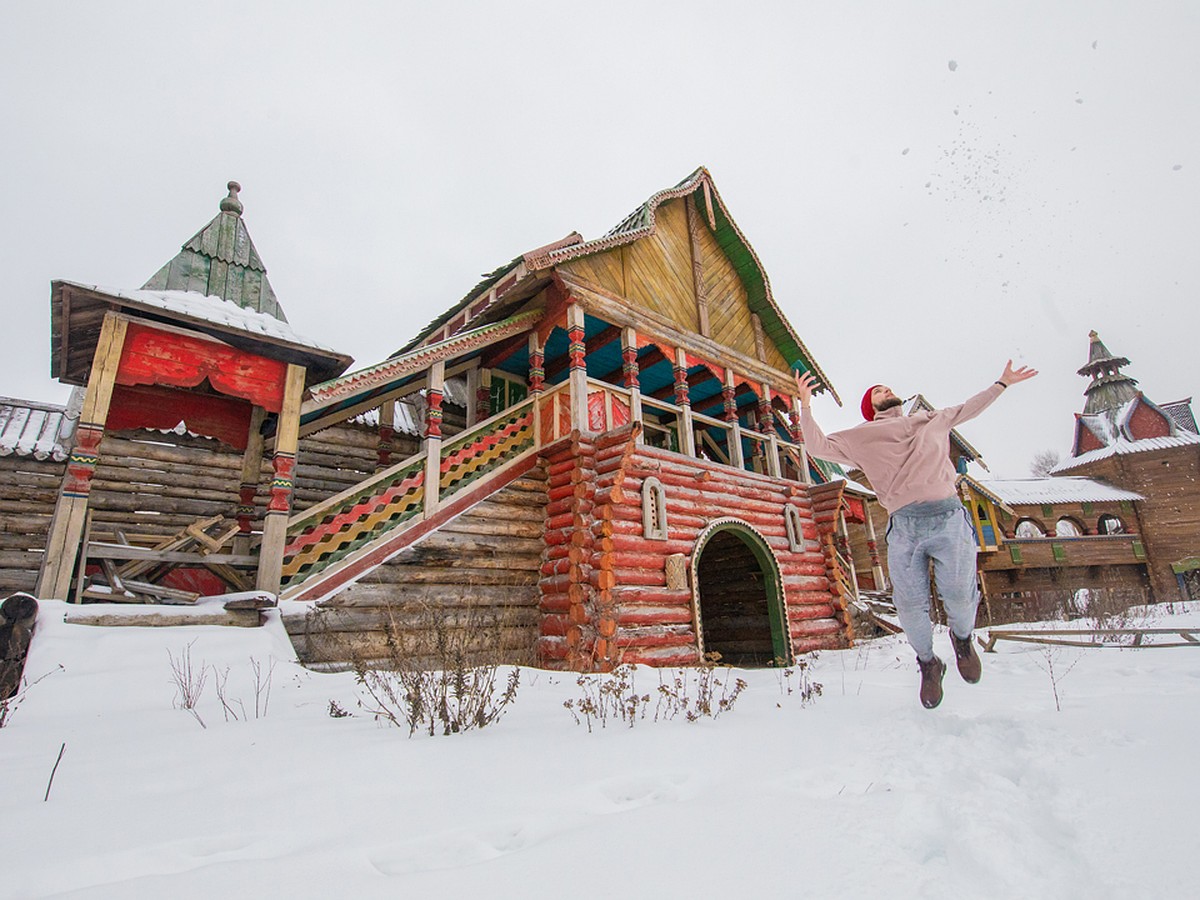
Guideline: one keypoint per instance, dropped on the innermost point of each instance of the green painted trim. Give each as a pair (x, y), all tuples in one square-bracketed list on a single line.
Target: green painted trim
[(1047, 509), (1190, 564), (1059, 551), (1015, 552), (1139, 550)]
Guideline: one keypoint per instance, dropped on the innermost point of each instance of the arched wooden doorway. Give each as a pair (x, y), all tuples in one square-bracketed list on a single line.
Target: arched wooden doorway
[(738, 597)]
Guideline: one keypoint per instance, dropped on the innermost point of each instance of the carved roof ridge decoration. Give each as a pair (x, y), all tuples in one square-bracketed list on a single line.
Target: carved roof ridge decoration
[(221, 260), (638, 224), (372, 377)]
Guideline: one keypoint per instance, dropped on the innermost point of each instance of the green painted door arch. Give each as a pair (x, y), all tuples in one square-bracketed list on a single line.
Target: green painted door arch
[(772, 581)]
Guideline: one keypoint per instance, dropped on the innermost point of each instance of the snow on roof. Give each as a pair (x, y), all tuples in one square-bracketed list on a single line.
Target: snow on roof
[(855, 487), (40, 430), (410, 411), (213, 309), (1070, 489), (1123, 447)]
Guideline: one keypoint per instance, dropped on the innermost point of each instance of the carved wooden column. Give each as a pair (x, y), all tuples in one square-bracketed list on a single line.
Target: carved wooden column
[(577, 353), (766, 418), (270, 555), (387, 435), (434, 390), (70, 509), (798, 439), (483, 395), (729, 395), (537, 382), (631, 374), (687, 433)]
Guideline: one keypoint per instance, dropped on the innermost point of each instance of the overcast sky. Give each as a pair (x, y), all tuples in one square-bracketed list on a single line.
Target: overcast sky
[(932, 187)]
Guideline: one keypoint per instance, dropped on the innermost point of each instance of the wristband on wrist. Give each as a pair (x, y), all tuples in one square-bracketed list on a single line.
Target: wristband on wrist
[(1001, 383)]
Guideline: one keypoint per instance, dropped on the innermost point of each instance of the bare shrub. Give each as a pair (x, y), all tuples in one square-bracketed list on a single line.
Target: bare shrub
[(9, 705), (610, 696), (694, 693), (440, 675), (1050, 657), (189, 680), (803, 685)]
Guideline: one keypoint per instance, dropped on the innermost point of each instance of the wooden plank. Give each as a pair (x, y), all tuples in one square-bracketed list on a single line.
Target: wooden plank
[(98, 550)]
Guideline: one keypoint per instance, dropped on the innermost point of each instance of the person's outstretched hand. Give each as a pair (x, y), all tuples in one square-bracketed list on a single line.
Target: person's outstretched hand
[(804, 387), (1013, 376)]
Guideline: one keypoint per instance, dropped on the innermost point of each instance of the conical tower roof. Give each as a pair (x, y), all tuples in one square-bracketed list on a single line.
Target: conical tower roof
[(1109, 389), (220, 260)]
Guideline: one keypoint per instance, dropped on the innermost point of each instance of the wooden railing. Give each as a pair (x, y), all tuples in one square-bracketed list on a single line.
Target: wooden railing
[(610, 406), (337, 530)]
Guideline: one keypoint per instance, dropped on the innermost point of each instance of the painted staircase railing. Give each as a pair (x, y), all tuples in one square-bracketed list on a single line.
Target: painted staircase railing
[(326, 539)]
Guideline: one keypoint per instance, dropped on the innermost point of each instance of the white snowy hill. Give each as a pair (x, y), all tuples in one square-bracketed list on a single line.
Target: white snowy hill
[(861, 793)]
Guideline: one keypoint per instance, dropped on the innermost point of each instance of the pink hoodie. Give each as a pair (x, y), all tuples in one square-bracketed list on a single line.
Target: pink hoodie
[(906, 458)]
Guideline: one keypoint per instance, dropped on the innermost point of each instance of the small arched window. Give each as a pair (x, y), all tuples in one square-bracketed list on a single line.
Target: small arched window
[(1027, 528), (654, 510), (1110, 524), (1065, 527), (795, 530)]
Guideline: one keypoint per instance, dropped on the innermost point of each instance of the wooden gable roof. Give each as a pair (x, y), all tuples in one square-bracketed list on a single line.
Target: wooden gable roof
[(679, 257)]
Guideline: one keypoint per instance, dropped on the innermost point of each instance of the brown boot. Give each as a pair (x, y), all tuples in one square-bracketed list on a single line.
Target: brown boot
[(932, 673), (969, 666)]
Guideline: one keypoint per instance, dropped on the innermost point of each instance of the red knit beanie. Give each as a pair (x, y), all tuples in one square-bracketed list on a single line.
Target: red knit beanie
[(868, 408)]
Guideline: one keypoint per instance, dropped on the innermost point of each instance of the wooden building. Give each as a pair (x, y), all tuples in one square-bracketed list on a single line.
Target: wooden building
[(1119, 520), (608, 457), (1128, 441)]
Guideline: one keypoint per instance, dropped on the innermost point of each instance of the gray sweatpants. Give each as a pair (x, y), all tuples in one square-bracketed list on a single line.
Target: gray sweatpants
[(936, 530)]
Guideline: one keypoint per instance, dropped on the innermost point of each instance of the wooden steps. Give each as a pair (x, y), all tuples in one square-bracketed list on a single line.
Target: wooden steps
[(474, 579)]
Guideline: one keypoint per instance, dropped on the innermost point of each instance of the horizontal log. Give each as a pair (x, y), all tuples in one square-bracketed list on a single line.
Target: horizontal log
[(486, 619), (363, 594)]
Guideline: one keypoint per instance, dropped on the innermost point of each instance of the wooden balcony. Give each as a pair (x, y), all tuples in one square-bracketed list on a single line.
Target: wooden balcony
[(1064, 552)]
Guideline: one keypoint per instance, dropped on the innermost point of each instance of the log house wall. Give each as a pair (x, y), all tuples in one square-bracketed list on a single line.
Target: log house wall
[(154, 484), (605, 597)]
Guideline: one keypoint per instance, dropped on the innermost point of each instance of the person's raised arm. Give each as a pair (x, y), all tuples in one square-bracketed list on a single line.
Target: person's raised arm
[(816, 442), (985, 398)]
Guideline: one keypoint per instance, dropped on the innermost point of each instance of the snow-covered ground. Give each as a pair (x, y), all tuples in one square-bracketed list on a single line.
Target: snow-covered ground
[(860, 794)]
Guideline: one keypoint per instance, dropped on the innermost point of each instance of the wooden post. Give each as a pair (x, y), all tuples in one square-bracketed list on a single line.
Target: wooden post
[(798, 438), (578, 357), (251, 475), (434, 388), (687, 432), (537, 383), (70, 509), (274, 539), (483, 395), (844, 540), (873, 548), (387, 434), (474, 379), (632, 375), (729, 393), (766, 417)]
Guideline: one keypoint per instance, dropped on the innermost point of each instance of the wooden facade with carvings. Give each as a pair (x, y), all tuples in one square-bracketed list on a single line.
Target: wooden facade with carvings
[(606, 460)]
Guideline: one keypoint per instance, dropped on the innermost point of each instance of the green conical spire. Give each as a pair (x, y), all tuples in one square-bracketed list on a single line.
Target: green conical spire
[(220, 260), (1109, 389)]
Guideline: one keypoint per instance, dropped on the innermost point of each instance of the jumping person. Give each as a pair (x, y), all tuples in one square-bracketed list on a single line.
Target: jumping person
[(907, 461)]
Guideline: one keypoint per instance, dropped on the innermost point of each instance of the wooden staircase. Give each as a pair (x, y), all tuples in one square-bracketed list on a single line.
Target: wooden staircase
[(474, 579)]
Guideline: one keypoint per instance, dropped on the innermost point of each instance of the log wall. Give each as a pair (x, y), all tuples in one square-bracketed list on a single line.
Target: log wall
[(605, 596), (154, 485), (469, 586)]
